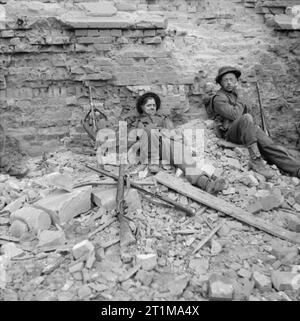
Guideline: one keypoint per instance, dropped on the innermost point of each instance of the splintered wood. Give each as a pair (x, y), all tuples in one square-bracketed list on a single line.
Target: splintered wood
[(221, 205)]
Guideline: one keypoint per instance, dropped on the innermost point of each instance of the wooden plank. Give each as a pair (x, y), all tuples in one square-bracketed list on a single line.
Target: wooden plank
[(221, 205), (207, 238)]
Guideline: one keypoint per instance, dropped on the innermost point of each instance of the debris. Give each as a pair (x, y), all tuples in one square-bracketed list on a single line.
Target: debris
[(52, 267), (129, 273), (207, 238), (270, 202), (292, 222), (249, 180), (18, 228), (15, 205), (144, 277), (216, 247), (10, 250), (66, 206), (228, 191), (36, 219), (178, 285), (244, 273), (225, 207), (200, 266), (105, 197), (255, 207), (84, 292), (262, 282), (220, 288), (283, 281), (62, 181), (77, 267), (51, 238), (82, 248), (102, 227), (147, 261)]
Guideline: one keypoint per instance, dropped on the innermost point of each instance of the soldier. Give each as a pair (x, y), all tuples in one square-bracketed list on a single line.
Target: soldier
[(11, 159), (155, 143), (237, 126)]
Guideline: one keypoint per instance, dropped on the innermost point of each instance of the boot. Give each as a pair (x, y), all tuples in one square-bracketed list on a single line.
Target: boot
[(211, 186), (257, 164)]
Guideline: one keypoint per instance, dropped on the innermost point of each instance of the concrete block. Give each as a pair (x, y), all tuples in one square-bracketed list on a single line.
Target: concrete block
[(18, 228), (283, 281), (82, 248), (147, 261), (261, 281), (65, 206), (220, 288), (36, 219), (51, 238)]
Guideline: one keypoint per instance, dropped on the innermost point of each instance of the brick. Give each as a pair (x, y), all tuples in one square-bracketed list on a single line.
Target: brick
[(148, 261), (102, 47), (149, 33), (104, 33), (84, 40), (7, 33), (65, 206), (283, 281), (220, 288), (83, 248), (36, 219), (18, 228), (93, 33), (104, 39), (49, 238), (261, 281), (152, 40), (133, 33), (116, 32), (81, 32)]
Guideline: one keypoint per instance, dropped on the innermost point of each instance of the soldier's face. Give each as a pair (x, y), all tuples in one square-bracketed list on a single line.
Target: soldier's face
[(149, 107), (229, 81)]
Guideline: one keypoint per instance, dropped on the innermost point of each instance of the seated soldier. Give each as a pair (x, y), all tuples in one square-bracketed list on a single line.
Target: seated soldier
[(237, 126), (157, 144)]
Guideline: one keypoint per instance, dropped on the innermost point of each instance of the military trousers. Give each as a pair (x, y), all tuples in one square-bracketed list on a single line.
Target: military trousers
[(244, 131)]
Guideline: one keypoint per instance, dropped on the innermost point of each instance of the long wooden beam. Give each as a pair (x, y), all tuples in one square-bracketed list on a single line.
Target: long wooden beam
[(221, 205)]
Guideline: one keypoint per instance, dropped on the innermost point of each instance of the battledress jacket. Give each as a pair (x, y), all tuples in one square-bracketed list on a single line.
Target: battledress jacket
[(228, 107)]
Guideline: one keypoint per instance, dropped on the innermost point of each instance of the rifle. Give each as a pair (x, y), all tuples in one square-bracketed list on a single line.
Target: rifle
[(126, 235), (166, 199), (262, 116)]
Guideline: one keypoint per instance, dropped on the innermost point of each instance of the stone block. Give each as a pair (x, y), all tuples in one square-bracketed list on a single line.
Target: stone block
[(200, 266), (126, 6), (116, 33), (36, 219), (18, 228), (65, 206), (292, 222), (220, 288), (149, 33), (148, 261), (83, 248), (82, 32), (283, 281), (152, 40), (285, 22), (49, 238), (102, 47), (144, 277), (77, 267), (255, 207), (261, 281)]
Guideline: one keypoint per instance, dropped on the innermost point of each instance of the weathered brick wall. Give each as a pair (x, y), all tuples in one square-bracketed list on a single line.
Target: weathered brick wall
[(47, 61)]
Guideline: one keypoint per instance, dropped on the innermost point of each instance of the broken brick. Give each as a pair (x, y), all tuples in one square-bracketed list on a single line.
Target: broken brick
[(82, 248), (36, 219), (147, 261), (262, 282), (51, 238), (283, 281), (220, 288)]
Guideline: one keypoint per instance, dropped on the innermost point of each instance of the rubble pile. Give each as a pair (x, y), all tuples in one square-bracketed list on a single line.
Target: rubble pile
[(60, 237)]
